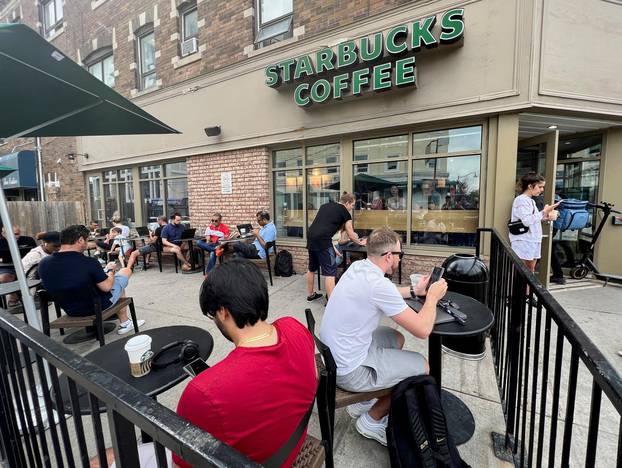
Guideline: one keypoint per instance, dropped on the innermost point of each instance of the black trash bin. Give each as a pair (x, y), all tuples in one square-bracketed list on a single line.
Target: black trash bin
[(466, 274)]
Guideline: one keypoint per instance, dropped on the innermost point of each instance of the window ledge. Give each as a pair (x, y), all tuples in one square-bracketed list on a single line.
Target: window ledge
[(252, 51), (95, 4), (136, 93), (56, 33), (188, 59)]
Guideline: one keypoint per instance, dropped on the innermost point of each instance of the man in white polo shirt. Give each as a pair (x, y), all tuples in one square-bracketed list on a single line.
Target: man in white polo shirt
[(370, 357)]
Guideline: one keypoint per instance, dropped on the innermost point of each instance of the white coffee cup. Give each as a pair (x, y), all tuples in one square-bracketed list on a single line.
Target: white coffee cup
[(140, 355), (415, 277)]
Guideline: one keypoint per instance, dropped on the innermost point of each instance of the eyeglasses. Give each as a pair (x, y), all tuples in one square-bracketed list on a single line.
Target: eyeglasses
[(399, 252), (215, 220)]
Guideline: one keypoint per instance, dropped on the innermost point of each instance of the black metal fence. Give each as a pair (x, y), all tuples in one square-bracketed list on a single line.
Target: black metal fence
[(45, 392), (551, 376)]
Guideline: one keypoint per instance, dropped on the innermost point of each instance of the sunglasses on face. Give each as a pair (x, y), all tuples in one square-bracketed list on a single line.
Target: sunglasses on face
[(399, 252), (215, 220)]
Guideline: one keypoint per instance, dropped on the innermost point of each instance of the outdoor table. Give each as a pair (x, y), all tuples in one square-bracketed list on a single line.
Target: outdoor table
[(347, 249), (113, 358), (13, 287), (191, 249), (229, 242), (460, 421)]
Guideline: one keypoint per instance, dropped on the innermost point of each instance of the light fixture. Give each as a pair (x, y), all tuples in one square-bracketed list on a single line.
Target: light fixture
[(552, 127), (72, 156), (212, 131)]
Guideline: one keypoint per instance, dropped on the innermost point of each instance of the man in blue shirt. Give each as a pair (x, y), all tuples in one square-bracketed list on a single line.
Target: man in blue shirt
[(171, 240), (263, 235)]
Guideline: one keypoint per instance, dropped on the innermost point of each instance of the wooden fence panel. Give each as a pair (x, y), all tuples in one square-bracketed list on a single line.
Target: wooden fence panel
[(34, 216)]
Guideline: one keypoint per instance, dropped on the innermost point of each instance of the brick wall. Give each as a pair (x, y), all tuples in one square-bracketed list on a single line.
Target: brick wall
[(250, 184)]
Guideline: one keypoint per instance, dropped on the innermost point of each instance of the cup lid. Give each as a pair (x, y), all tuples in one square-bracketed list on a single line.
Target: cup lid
[(137, 342)]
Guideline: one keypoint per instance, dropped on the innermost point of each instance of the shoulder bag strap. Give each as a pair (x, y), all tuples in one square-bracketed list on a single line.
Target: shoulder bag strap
[(417, 430)]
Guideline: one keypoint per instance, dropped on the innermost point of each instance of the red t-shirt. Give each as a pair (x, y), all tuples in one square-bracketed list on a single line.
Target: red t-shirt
[(254, 399), (222, 228)]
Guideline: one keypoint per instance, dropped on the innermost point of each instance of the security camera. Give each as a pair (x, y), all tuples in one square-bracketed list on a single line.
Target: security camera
[(59, 161)]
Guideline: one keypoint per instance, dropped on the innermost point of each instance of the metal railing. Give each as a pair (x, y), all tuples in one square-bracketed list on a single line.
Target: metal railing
[(41, 412), (549, 372)]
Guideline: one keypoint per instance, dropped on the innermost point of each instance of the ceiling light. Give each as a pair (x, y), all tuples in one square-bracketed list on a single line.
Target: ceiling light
[(552, 127)]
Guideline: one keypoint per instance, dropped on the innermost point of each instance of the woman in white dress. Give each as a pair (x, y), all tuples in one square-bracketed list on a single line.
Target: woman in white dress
[(528, 245)]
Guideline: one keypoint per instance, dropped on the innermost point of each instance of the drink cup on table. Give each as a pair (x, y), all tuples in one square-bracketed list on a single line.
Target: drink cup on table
[(140, 355)]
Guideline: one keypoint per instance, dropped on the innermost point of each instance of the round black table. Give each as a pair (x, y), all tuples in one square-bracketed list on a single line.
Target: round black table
[(113, 358), (460, 421)]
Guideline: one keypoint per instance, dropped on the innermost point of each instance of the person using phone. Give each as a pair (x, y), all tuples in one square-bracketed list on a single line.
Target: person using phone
[(368, 356), (151, 246)]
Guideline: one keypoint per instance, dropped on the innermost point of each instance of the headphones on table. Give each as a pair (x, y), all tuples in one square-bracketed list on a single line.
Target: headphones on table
[(189, 351)]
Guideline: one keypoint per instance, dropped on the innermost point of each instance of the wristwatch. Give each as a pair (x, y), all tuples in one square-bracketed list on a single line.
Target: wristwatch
[(412, 292)]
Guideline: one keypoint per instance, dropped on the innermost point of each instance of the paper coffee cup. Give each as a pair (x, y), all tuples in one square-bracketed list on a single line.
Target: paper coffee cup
[(414, 278), (140, 355)]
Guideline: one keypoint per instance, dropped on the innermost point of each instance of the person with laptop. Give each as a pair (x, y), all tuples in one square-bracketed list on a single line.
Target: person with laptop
[(171, 236), (264, 234), (152, 245), (368, 356), (215, 232)]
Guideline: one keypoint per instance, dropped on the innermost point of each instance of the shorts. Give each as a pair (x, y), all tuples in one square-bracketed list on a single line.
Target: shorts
[(385, 365), (120, 283), (324, 259), (526, 250), (147, 249), (7, 271)]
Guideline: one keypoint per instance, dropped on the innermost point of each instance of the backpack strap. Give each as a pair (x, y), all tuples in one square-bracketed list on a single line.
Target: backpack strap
[(439, 424), (417, 430)]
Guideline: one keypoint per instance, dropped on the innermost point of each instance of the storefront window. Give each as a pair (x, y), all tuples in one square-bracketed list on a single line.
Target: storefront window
[(322, 187), (287, 158), (288, 207), (176, 169), (177, 197), (324, 154), (451, 140), (378, 149), (152, 203), (111, 204), (95, 199)]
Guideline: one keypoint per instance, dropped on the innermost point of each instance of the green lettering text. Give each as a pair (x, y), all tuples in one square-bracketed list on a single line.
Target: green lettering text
[(396, 40), (360, 80), (324, 60), (381, 77), (302, 101), (452, 25), (340, 85), (320, 91), (376, 52), (405, 72), (346, 54), (304, 67), (286, 69), (422, 34), (272, 76)]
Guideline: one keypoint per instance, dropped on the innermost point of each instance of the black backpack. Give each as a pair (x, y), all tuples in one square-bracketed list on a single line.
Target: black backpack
[(417, 432), (284, 264)]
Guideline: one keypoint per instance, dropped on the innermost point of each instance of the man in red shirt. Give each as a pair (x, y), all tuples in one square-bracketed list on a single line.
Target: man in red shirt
[(215, 232), (255, 398)]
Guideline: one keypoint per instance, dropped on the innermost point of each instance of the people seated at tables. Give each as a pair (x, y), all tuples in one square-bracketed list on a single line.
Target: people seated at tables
[(94, 228), (214, 233), (151, 246), (171, 237), (368, 356), (264, 234), (70, 270), (121, 246), (7, 273), (254, 399), (395, 202), (50, 243), (105, 245), (329, 218)]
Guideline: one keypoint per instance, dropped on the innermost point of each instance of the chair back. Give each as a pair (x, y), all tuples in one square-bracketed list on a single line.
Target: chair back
[(327, 359), (84, 294), (268, 246)]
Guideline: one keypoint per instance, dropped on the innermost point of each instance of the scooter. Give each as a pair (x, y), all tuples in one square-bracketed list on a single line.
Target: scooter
[(586, 264)]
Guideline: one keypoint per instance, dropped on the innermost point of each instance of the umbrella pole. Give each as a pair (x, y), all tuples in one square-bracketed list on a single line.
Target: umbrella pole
[(27, 299), (40, 169)]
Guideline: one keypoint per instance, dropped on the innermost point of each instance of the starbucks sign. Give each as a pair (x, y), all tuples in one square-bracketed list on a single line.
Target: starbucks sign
[(379, 62)]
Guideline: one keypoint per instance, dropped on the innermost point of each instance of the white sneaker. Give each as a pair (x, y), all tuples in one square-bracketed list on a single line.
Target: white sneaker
[(357, 409), (128, 326), (372, 429)]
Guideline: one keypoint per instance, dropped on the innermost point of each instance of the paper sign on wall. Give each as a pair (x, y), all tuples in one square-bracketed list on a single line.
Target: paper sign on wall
[(226, 185)]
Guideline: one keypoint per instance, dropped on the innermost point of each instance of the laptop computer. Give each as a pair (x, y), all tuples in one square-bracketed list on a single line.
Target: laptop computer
[(245, 230), (188, 233), (441, 315), (142, 231)]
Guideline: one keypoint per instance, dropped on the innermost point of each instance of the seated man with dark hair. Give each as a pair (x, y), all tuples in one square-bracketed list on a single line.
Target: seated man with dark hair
[(266, 233), (69, 270), (171, 240), (152, 245)]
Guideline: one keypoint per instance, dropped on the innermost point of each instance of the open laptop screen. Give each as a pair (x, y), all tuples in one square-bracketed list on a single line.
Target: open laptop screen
[(245, 229)]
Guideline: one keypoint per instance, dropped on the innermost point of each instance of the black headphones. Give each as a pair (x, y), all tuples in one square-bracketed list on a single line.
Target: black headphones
[(189, 352)]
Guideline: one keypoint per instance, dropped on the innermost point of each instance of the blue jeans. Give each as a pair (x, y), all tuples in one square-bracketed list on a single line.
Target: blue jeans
[(209, 247)]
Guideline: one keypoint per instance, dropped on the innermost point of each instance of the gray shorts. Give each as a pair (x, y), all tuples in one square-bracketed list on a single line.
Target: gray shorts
[(385, 365)]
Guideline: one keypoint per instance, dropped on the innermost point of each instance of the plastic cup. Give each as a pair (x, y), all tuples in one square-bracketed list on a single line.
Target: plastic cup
[(140, 355), (415, 277), (553, 215)]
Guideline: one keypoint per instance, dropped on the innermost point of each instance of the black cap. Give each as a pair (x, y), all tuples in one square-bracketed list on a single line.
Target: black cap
[(52, 237)]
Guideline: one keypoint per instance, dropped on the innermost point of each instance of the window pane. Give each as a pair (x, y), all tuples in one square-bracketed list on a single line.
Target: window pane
[(448, 141), (150, 172), (96, 70), (287, 158), (147, 53), (272, 9), (177, 196), (151, 198), (323, 185), (59, 10), (445, 201), (381, 148), (288, 214), (108, 71), (176, 169), (125, 174), (49, 14), (126, 203), (110, 200), (380, 198), (190, 24), (149, 81), (95, 199), (110, 176), (323, 154)]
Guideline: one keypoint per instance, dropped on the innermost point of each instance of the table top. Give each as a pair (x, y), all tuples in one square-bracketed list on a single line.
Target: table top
[(479, 317), (113, 358), (354, 248)]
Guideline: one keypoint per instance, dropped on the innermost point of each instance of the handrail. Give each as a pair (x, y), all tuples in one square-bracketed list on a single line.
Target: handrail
[(194, 445), (601, 369)]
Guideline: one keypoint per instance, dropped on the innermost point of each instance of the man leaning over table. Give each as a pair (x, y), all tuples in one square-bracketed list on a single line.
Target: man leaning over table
[(368, 356)]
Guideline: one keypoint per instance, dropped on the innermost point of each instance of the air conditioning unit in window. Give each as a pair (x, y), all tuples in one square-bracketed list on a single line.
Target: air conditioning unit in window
[(189, 46)]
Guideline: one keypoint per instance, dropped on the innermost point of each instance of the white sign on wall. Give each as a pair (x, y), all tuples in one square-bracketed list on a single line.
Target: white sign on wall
[(226, 185)]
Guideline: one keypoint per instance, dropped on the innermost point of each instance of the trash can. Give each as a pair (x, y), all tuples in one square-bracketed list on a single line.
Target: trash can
[(468, 275)]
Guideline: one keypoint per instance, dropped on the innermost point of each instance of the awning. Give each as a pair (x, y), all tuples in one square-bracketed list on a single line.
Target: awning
[(45, 93), (24, 173)]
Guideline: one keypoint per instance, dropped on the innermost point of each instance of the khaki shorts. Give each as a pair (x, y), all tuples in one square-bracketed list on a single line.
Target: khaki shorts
[(385, 365)]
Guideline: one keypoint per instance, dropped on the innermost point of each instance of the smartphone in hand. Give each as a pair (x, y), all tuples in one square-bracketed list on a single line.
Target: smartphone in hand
[(437, 274), (195, 367)]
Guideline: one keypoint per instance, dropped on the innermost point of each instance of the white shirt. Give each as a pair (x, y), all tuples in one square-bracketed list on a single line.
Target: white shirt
[(360, 299), (33, 258), (525, 209)]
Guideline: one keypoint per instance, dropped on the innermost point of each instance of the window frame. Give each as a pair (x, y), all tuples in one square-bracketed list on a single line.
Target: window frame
[(98, 57), (260, 26), (49, 29), (141, 75), (183, 13)]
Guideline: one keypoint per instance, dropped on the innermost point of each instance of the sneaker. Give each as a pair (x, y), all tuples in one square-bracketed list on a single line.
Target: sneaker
[(219, 251), (314, 296), (372, 429), (186, 267), (357, 409), (128, 326), (558, 280)]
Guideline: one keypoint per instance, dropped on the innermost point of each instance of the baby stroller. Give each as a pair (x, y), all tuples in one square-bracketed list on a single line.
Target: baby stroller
[(574, 215)]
